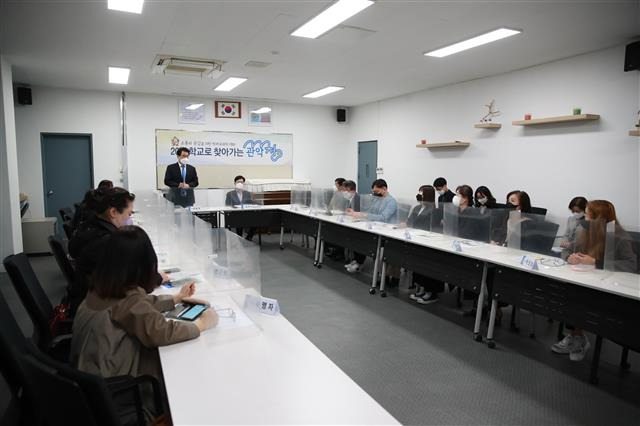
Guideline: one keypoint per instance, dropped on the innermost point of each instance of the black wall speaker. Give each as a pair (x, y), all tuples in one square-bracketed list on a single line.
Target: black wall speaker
[(341, 115), (632, 56), (24, 95)]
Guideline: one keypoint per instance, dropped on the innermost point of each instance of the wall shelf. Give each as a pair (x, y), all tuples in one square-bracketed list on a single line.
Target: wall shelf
[(487, 125), (634, 132), (559, 119), (454, 144)]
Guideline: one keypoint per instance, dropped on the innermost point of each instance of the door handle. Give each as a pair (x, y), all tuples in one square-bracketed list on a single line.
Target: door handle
[(367, 170), (49, 193)]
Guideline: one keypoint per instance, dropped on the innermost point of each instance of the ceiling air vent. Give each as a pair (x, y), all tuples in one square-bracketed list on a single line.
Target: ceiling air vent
[(168, 64), (257, 64)]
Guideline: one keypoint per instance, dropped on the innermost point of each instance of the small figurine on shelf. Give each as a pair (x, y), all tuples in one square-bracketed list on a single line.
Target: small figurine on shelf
[(491, 113)]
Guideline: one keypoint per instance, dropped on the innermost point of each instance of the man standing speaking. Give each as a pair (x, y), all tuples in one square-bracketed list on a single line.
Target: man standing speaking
[(181, 177)]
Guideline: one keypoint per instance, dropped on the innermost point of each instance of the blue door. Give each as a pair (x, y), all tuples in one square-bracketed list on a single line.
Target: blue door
[(367, 164), (67, 171)]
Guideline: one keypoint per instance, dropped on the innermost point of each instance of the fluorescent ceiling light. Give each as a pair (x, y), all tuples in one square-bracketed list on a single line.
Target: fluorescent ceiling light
[(194, 106), (131, 6), (118, 75), (494, 35), (337, 13), (322, 92), (262, 110), (230, 84)]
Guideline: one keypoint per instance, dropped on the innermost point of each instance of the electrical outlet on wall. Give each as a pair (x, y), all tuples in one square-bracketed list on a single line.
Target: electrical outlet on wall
[(379, 171)]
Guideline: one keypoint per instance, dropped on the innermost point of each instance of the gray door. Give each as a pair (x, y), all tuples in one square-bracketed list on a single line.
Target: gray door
[(67, 171), (367, 164)]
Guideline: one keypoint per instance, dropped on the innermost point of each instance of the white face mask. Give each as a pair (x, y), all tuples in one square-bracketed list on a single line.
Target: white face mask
[(239, 185), (456, 201), (348, 195), (440, 191), (184, 161), (578, 215), (483, 201)]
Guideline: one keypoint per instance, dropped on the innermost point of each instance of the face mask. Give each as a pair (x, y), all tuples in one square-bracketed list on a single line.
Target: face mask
[(419, 197), (483, 201), (129, 221), (440, 192), (577, 215), (239, 185), (184, 161), (347, 195), (376, 194), (456, 200)]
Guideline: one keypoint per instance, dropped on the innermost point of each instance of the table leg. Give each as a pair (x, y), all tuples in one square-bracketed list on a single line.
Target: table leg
[(374, 280), (383, 278), (291, 241), (483, 291), (492, 323), (321, 254), (282, 238), (317, 252), (624, 359)]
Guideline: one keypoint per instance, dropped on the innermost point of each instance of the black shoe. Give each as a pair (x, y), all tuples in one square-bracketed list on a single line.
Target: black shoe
[(428, 298)]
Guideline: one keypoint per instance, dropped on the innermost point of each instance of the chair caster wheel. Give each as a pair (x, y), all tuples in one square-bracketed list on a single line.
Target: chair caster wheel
[(319, 266), (477, 337), (372, 291), (383, 294), (281, 247), (491, 344), (315, 263)]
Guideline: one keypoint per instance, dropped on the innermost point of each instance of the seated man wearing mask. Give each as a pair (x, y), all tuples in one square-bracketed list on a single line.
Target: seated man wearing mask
[(240, 197), (384, 208)]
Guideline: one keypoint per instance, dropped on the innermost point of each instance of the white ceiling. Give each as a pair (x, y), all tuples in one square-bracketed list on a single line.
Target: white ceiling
[(70, 43)]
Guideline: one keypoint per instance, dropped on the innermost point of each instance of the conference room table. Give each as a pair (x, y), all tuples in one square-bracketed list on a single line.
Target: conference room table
[(604, 302)]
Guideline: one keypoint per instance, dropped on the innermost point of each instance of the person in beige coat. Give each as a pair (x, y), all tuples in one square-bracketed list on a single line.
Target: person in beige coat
[(119, 326)]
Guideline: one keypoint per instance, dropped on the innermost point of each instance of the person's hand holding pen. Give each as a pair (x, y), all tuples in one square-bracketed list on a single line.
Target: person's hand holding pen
[(185, 292)]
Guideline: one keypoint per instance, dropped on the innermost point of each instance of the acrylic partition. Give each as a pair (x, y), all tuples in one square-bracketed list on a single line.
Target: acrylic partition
[(300, 197), (240, 199), (225, 268), (183, 197), (533, 234), (621, 249)]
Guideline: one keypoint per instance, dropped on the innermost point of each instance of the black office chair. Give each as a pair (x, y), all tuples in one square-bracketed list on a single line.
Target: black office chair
[(62, 259), (38, 306), (539, 210), (67, 227), (66, 214), (538, 236)]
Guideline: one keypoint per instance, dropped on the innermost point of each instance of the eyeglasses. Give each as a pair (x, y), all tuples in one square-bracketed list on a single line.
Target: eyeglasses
[(226, 313)]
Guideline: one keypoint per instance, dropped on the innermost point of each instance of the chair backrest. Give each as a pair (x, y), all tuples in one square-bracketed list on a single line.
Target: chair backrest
[(60, 254), (635, 245), (66, 214), (539, 210), (538, 236), (67, 227), (12, 344), (31, 294), (59, 399)]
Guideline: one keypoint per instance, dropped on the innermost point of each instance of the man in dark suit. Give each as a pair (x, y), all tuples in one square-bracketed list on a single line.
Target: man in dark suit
[(240, 197), (181, 178), (445, 195)]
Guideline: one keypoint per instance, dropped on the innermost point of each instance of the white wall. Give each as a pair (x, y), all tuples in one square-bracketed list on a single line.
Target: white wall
[(10, 226), (553, 163), (67, 111), (318, 139)]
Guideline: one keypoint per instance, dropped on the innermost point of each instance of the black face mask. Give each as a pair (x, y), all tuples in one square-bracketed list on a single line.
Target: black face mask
[(376, 194), (419, 197)]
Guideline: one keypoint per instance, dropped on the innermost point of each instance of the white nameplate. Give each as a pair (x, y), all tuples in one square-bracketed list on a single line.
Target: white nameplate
[(457, 245), (407, 235), (262, 304), (529, 262)]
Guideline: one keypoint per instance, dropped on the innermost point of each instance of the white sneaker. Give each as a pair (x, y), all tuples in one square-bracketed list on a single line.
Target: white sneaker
[(350, 263), (428, 298), (419, 293), (565, 345), (354, 267), (582, 346)]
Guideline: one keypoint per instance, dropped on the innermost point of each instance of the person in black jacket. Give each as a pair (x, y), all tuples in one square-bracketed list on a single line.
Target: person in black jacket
[(484, 198), (181, 177), (240, 197), (82, 213), (445, 195)]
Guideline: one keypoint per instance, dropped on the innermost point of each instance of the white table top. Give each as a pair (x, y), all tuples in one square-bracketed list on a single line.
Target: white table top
[(619, 283), (269, 373)]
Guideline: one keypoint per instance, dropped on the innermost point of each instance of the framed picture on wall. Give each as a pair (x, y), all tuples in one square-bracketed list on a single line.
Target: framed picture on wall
[(260, 115), (191, 112), (228, 109)]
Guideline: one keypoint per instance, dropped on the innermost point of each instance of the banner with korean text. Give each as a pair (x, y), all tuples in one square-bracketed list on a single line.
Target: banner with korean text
[(220, 156)]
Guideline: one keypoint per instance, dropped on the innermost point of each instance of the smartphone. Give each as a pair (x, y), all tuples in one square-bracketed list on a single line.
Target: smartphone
[(187, 311)]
